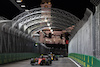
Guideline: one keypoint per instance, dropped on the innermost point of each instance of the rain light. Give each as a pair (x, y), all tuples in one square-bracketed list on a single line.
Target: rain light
[(19, 1), (22, 5), (26, 10)]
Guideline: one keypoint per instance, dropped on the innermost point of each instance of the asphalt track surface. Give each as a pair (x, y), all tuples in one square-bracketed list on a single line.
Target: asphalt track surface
[(62, 62)]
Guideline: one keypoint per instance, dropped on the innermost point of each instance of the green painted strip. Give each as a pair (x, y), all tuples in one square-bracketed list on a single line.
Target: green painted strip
[(85, 60)]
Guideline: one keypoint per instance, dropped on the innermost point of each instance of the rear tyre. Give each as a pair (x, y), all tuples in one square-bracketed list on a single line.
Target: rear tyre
[(41, 63), (32, 64)]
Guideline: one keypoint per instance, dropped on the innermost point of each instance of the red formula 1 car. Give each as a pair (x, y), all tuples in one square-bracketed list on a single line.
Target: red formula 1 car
[(41, 61)]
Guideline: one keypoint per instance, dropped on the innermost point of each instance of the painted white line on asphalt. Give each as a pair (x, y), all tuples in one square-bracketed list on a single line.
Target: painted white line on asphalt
[(74, 62)]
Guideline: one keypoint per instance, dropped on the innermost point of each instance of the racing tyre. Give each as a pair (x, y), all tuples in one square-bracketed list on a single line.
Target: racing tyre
[(32, 63), (50, 62), (41, 63)]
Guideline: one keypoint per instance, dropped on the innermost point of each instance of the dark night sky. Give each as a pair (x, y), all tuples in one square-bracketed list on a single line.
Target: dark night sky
[(76, 7)]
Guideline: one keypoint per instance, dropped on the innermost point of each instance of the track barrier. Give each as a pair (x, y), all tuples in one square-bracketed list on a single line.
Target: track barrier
[(13, 57), (85, 60)]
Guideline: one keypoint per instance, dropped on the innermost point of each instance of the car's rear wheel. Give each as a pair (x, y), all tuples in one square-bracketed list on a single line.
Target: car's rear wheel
[(32, 64), (42, 62), (50, 62)]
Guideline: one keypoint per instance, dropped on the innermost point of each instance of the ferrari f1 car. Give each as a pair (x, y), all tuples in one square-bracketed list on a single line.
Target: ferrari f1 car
[(43, 60)]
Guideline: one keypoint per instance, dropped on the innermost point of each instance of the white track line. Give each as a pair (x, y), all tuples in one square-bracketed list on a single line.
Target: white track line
[(74, 62)]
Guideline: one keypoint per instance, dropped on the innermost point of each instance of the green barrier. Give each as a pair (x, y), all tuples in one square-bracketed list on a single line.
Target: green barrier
[(85, 60), (12, 57)]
